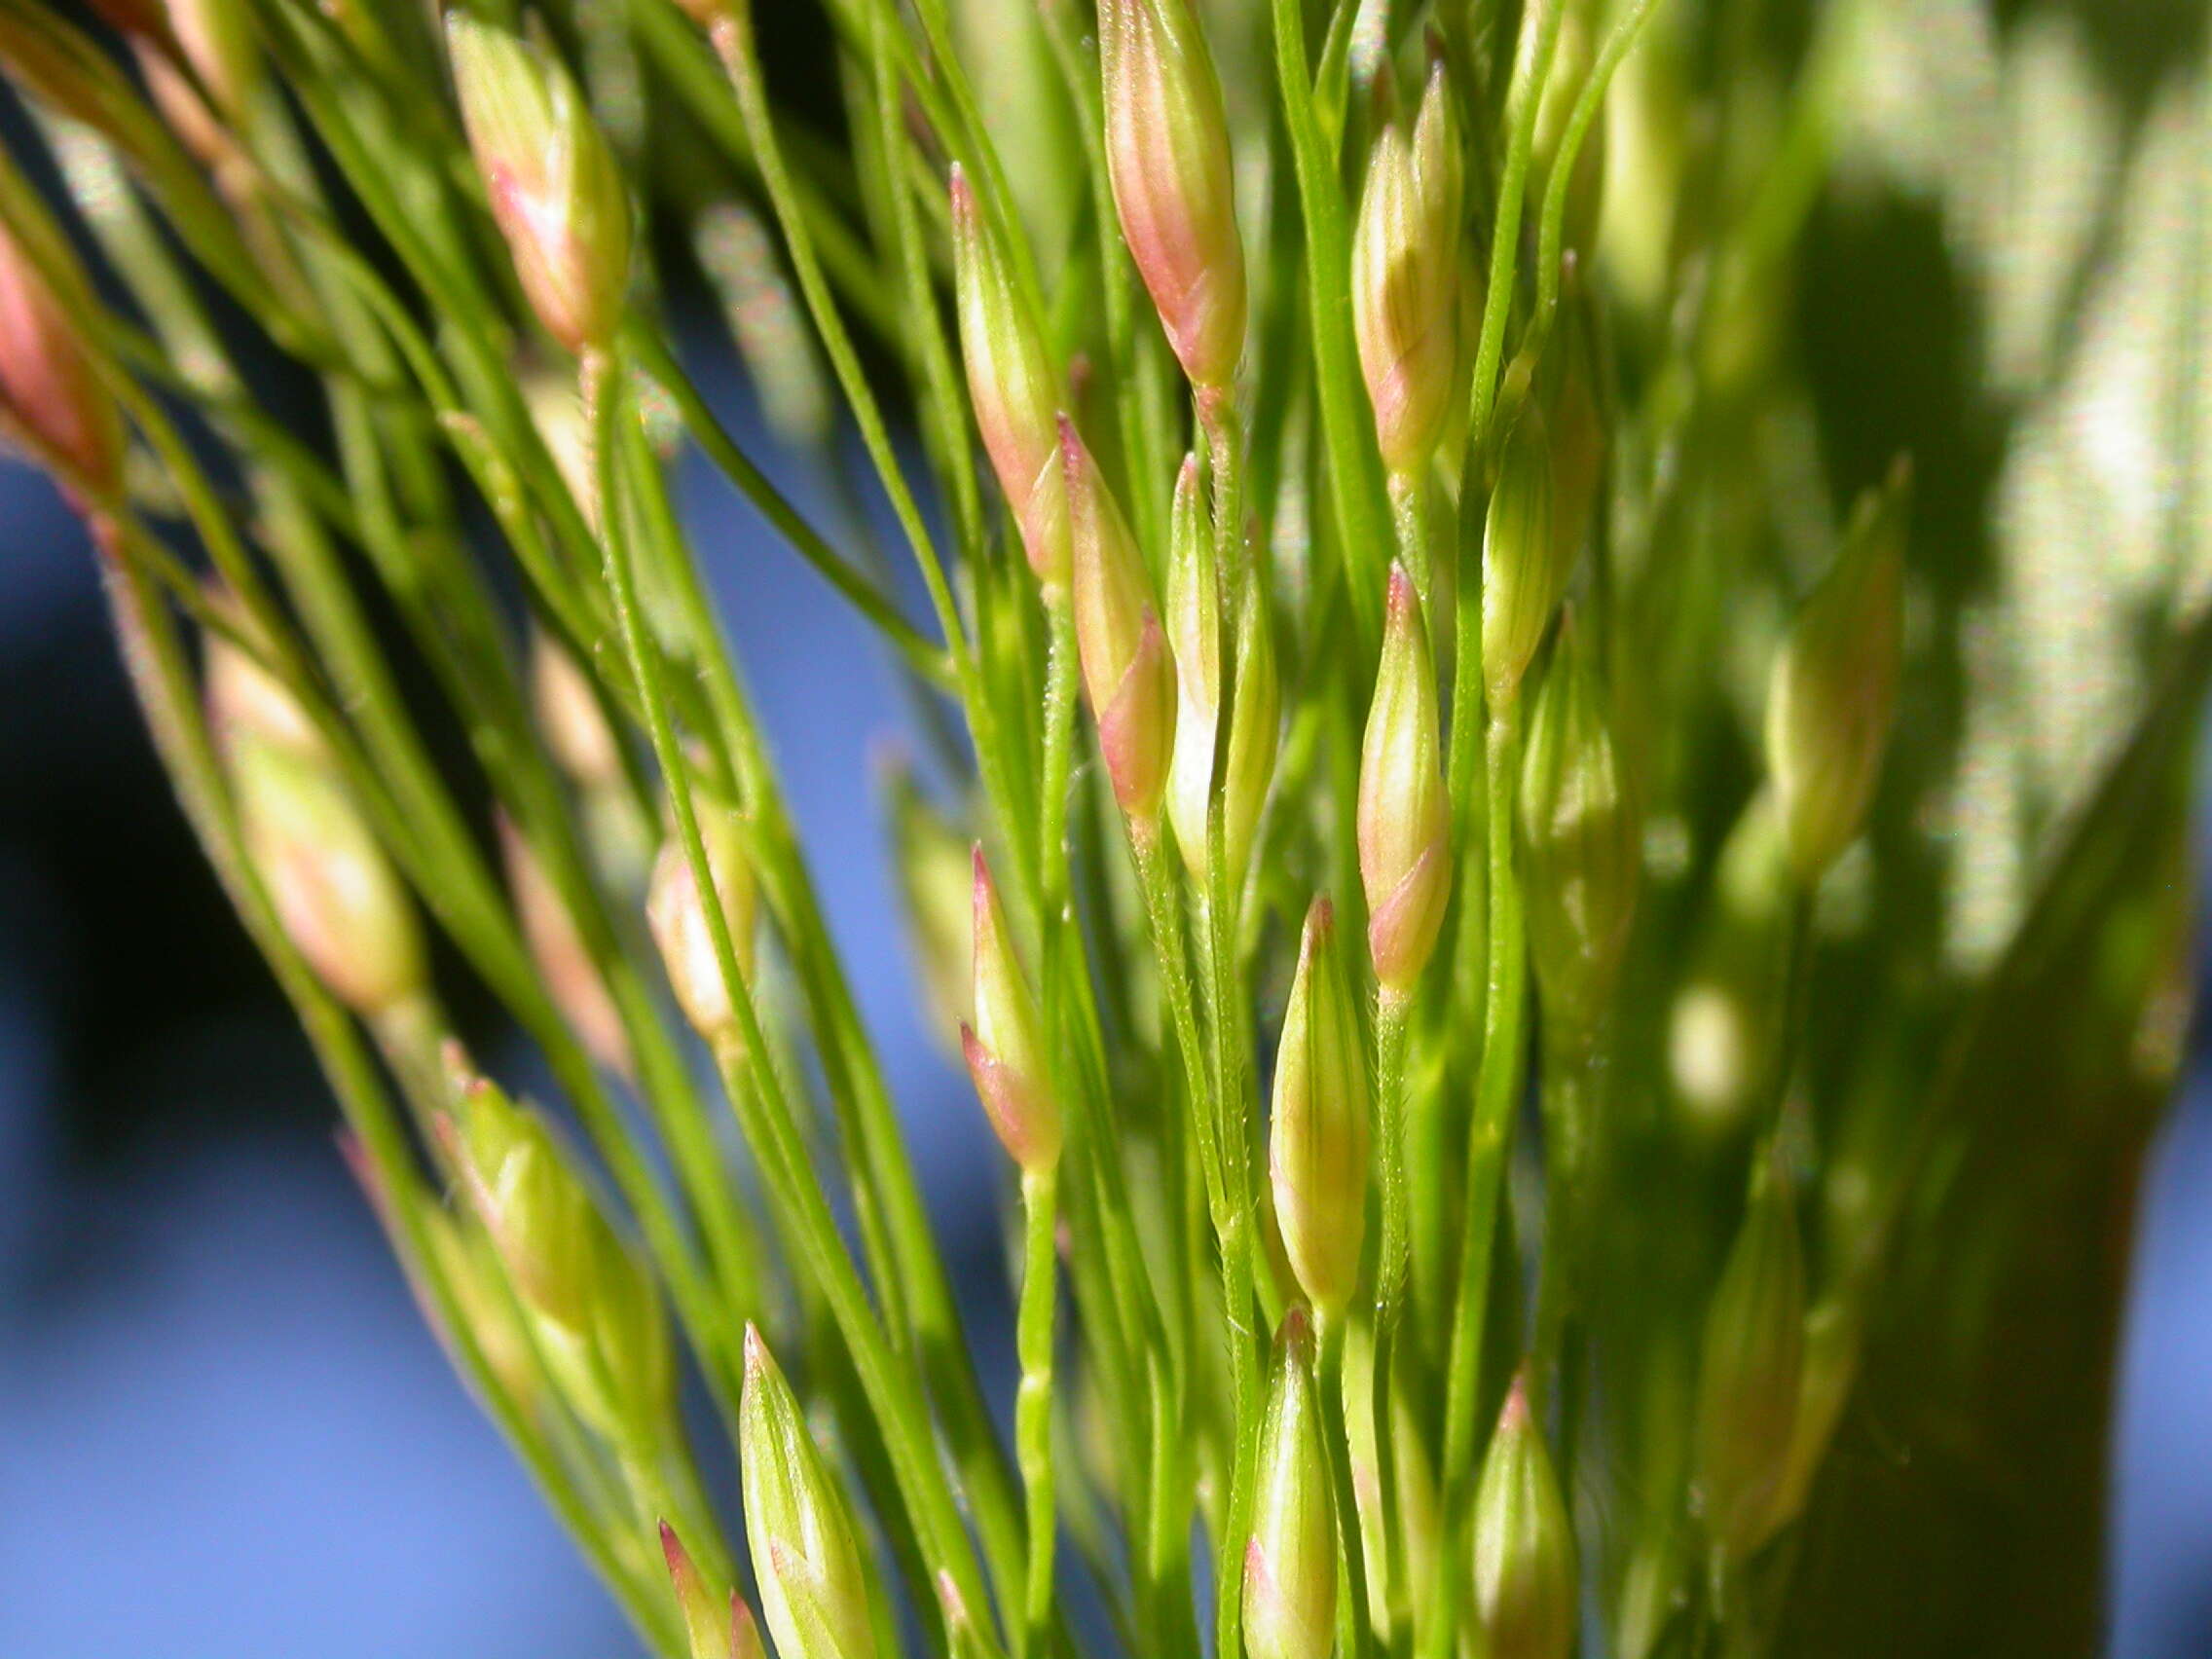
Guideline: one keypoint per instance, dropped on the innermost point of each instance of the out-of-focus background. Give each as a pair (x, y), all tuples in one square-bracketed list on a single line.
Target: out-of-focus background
[(223, 1429)]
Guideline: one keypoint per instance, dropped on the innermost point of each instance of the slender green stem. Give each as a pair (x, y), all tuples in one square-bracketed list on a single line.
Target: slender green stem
[(888, 1385), (1173, 957), (1586, 106), (1345, 424), (734, 42), (1355, 1631), (162, 680), (1568, 1074), (1393, 1015), (1488, 1134), (1532, 58), (1797, 989), (924, 330), (1033, 1404), (925, 659)]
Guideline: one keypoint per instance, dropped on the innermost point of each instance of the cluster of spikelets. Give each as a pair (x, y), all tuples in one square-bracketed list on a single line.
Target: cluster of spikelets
[(1397, 706)]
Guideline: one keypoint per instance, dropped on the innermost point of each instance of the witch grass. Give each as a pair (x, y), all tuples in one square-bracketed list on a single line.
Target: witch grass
[(1452, 872)]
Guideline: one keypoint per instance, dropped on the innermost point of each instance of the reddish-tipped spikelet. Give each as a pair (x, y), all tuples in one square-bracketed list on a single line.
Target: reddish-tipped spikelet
[(1004, 1048), (564, 961), (797, 1524), (1126, 666), (1168, 152), (713, 1627), (553, 183), (243, 697), (597, 1313), (1195, 593), (1012, 388), (335, 891), (1405, 823), (1290, 1559), (568, 715), (49, 389), (1317, 1135), (1405, 272), (683, 933), (1523, 1543)]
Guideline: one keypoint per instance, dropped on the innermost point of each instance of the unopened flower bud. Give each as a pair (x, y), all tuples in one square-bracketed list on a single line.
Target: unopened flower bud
[(574, 726), (554, 185), (618, 1370), (713, 1627), (1751, 1368), (243, 698), (1524, 569), (47, 387), (564, 961), (1168, 154), (1317, 1135), (813, 1594), (1126, 669), (1584, 841), (1012, 387), (484, 1304), (1405, 825), (1834, 686), (1523, 1543), (1832, 1333), (1405, 263), (598, 1320), (534, 1205), (215, 38), (1194, 634), (682, 932), (1290, 1560), (336, 894), (1005, 1049), (460, 1255)]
